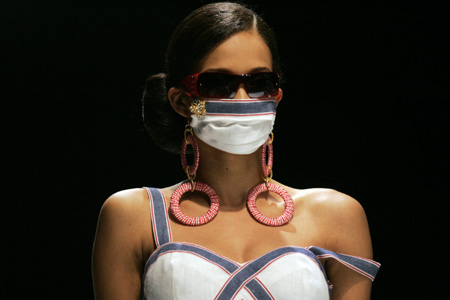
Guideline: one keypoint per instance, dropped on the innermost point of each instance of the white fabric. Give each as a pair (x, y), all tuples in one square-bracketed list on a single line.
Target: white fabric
[(181, 275), (295, 276), (234, 134)]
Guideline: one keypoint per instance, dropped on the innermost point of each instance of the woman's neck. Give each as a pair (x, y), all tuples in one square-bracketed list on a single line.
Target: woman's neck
[(232, 176)]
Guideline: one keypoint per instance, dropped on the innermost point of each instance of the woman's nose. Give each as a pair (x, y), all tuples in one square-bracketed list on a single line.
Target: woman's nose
[(241, 93)]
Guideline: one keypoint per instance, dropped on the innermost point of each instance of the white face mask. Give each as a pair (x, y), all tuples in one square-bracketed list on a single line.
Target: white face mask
[(237, 126)]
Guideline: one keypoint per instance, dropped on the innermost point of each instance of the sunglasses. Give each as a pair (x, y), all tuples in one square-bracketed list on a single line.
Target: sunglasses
[(222, 85)]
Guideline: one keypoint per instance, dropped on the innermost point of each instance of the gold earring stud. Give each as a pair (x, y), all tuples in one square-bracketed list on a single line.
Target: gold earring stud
[(198, 108)]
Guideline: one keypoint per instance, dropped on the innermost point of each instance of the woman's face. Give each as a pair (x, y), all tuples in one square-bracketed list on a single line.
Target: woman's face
[(243, 53)]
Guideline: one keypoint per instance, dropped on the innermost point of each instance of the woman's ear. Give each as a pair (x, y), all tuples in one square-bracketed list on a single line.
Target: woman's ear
[(179, 101), (279, 96)]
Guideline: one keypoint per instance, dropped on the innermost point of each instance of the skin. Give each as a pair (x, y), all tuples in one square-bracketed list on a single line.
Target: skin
[(323, 217)]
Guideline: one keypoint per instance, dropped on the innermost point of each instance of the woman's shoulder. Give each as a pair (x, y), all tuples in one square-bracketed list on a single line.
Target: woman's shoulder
[(125, 219), (325, 199), (340, 217), (126, 207), (332, 210), (131, 203), (125, 201), (322, 198)]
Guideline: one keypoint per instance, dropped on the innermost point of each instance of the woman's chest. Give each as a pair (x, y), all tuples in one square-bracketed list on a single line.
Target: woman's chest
[(242, 239)]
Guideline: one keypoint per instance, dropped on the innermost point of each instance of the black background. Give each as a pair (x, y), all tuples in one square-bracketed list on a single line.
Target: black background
[(363, 112)]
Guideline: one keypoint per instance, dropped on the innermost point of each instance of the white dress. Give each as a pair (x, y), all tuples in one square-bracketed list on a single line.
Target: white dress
[(192, 272)]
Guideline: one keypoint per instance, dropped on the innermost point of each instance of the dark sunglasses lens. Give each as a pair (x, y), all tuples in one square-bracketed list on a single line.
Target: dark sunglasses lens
[(219, 85), (262, 85), (216, 85)]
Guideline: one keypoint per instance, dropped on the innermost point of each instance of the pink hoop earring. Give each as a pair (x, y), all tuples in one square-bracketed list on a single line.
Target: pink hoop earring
[(192, 186), (263, 187)]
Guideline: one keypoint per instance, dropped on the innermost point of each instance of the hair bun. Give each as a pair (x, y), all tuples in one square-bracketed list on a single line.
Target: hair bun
[(163, 124), (155, 85)]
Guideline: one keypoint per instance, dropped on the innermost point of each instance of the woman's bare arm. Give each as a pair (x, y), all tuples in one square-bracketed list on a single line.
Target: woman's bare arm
[(348, 233), (118, 256)]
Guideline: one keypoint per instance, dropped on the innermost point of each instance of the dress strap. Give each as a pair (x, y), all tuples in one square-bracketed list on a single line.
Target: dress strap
[(364, 266), (162, 233)]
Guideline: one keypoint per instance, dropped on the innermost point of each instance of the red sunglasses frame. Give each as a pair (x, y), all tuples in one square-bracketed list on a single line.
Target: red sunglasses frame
[(191, 83)]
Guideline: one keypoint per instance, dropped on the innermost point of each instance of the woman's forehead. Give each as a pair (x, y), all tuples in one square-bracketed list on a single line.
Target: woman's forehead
[(241, 53)]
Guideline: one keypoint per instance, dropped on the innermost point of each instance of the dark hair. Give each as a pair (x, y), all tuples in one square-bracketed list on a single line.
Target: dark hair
[(196, 36)]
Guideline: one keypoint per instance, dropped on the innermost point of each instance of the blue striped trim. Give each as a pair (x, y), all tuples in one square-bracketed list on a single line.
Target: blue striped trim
[(160, 222), (258, 291), (233, 107), (250, 270), (229, 266), (364, 266)]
